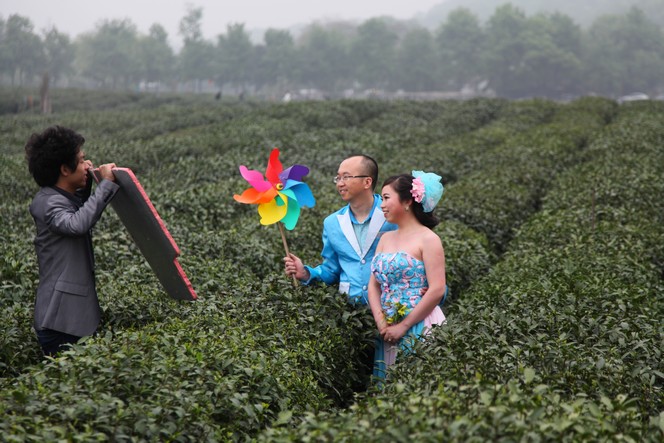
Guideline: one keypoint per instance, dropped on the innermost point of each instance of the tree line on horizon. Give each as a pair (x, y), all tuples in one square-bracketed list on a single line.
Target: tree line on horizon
[(511, 55)]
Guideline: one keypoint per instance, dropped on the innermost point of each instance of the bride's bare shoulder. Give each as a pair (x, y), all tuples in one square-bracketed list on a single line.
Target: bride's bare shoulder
[(428, 236)]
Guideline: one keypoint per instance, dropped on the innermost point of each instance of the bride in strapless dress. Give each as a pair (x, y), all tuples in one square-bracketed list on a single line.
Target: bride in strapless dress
[(408, 271)]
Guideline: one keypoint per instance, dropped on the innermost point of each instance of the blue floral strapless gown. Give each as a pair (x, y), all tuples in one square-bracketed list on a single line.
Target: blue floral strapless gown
[(403, 282)]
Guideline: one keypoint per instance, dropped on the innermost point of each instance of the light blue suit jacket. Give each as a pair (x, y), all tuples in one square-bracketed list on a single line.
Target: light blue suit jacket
[(344, 261)]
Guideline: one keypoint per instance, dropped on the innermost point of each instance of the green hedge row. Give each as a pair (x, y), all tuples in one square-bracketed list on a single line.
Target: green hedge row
[(15, 100), (255, 353), (191, 175), (223, 247), (563, 340), (221, 369), (506, 183)]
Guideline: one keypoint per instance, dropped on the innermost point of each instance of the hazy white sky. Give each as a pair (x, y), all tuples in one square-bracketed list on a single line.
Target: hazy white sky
[(76, 16)]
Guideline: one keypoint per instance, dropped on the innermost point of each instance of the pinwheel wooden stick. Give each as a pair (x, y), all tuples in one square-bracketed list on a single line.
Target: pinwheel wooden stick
[(279, 195), (283, 239)]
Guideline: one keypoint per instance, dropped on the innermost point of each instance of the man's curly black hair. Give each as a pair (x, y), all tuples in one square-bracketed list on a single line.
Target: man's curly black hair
[(47, 151)]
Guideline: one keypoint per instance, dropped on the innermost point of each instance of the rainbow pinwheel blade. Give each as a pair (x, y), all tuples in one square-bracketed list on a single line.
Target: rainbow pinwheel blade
[(293, 212), (301, 193), (252, 196), (272, 211), (274, 167)]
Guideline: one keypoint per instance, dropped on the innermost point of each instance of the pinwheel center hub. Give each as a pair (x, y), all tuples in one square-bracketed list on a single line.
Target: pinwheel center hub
[(280, 186)]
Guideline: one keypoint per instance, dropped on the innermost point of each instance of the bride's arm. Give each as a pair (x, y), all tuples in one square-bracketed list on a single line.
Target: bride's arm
[(374, 304), (374, 297)]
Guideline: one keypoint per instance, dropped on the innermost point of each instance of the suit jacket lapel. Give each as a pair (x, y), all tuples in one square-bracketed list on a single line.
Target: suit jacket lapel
[(377, 220), (347, 228)]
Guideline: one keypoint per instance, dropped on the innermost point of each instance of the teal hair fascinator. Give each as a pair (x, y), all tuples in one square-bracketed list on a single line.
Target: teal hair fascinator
[(427, 189)]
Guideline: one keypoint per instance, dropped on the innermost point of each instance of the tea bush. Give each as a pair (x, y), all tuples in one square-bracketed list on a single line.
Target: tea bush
[(218, 369), (510, 178), (563, 339), (552, 227)]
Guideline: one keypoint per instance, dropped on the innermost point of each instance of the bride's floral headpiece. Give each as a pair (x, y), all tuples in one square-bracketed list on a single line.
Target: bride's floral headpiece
[(427, 189)]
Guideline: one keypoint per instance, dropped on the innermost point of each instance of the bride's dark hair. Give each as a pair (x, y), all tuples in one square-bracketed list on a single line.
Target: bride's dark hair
[(402, 184)]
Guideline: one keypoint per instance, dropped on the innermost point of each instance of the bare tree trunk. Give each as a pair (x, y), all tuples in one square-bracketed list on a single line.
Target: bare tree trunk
[(45, 100)]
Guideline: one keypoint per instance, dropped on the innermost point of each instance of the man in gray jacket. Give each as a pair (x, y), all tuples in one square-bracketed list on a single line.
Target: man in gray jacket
[(66, 306)]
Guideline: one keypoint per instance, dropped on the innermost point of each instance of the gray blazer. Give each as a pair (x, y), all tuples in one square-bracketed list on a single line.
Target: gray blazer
[(66, 296)]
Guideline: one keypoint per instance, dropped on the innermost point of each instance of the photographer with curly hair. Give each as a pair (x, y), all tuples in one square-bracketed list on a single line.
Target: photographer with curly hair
[(64, 211)]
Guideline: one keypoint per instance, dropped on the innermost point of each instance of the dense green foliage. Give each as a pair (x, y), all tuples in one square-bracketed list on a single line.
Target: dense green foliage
[(584, 13), (553, 227), (511, 49)]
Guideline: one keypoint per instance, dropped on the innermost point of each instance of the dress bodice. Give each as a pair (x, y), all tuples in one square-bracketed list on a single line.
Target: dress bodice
[(403, 282), (402, 279)]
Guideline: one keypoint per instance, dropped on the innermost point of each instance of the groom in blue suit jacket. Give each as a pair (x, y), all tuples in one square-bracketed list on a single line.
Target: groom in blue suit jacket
[(350, 235), (64, 211)]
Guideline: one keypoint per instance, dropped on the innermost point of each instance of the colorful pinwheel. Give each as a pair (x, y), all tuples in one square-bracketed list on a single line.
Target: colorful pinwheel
[(279, 195)]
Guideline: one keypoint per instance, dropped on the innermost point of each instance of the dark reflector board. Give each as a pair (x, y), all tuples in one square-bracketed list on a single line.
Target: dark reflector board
[(149, 232)]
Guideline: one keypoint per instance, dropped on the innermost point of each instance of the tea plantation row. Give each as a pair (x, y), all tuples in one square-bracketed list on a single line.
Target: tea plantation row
[(563, 340), (553, 236)]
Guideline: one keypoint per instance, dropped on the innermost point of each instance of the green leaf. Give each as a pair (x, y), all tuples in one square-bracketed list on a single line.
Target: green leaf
[(529, 374)]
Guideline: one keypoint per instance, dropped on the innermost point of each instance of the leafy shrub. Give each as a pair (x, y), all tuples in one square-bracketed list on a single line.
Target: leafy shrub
[(561, 341), (552, 227)]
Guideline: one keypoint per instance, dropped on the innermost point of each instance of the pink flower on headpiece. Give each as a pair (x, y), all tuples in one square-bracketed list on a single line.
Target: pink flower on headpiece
[(417, 190)]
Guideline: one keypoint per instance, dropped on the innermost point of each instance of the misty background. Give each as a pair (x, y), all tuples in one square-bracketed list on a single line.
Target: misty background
[(343, 49)]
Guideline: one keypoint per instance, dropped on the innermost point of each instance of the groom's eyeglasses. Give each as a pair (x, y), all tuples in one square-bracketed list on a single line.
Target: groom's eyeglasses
[(345, 178)]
